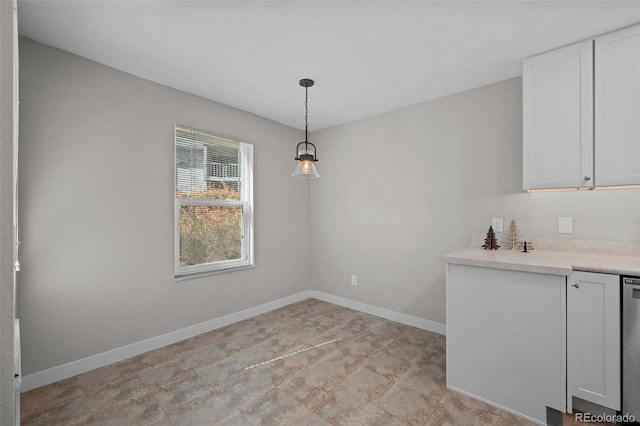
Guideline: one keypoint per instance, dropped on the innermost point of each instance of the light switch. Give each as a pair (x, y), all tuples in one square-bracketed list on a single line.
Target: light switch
[(496, 224), (565, 225)]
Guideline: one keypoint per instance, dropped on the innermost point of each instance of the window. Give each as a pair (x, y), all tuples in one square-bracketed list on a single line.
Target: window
[(213, 203)]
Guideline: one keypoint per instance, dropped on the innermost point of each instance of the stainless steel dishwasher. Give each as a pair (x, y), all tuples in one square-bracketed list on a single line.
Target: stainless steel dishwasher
[(630, 346)]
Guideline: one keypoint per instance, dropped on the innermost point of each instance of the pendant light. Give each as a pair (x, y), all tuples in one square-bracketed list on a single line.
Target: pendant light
[(306, 151)]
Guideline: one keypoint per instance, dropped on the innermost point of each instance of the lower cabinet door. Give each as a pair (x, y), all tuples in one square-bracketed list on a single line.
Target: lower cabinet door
[(593, 338)]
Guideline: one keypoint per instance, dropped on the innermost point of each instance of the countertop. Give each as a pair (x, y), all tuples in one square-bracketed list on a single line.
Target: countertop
[(546, 262)]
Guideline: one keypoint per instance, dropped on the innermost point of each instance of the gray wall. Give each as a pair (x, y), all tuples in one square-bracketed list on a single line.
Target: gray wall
[(96, 210), (401, 189), (397, 191), (8, 116)]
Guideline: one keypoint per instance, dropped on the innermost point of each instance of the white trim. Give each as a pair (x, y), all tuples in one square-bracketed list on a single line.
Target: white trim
[(61, 372), (447, 367), (405, 319), (64, 371)]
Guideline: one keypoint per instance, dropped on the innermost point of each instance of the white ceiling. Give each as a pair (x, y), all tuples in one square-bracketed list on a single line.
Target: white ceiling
[(366, 57)]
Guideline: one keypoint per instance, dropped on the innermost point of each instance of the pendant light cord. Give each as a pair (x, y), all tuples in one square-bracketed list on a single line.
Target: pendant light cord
[(306, 116)]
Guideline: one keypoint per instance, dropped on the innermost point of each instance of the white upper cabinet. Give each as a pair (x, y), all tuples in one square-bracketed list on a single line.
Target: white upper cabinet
[(617, 107), (558, 118), (581, 128)]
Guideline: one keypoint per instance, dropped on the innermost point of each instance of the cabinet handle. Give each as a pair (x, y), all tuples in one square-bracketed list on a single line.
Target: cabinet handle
[(576, 285), (587, 178)]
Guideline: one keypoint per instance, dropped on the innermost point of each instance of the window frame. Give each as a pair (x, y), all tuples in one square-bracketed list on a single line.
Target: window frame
[(246, 259)]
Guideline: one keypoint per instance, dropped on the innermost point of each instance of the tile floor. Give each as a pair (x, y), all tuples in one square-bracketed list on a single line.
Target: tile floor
[(309, 363)]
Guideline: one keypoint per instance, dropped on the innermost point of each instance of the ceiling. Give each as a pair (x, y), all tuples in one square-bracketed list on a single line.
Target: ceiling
[(366, 57)]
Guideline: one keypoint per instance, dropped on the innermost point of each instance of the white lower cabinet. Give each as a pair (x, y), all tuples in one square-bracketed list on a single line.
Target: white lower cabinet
[(506, 338), (593, 338)]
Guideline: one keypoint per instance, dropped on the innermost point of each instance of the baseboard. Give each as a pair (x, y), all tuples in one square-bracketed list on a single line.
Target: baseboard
[(421, 323), (70, 369)]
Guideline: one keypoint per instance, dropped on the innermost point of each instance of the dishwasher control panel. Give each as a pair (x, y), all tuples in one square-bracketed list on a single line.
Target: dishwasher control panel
[(631, 280)]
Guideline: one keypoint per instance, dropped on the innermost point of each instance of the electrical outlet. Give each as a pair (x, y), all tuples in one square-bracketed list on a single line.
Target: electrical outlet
[(565, 225), (496, 224), (354, 280)]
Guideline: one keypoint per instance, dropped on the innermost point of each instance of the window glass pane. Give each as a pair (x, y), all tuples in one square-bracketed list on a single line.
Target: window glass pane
[(210, 234), (204, 162)]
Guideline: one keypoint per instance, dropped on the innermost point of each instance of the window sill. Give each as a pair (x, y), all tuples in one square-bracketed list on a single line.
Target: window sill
[(201, 274)]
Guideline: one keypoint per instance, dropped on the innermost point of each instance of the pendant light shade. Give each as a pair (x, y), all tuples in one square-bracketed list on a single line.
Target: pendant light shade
[(306, 157), (306, 151)]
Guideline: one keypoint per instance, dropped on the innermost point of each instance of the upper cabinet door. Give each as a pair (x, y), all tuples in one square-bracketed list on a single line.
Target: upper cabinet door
[(617, 107), (558, 118)]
